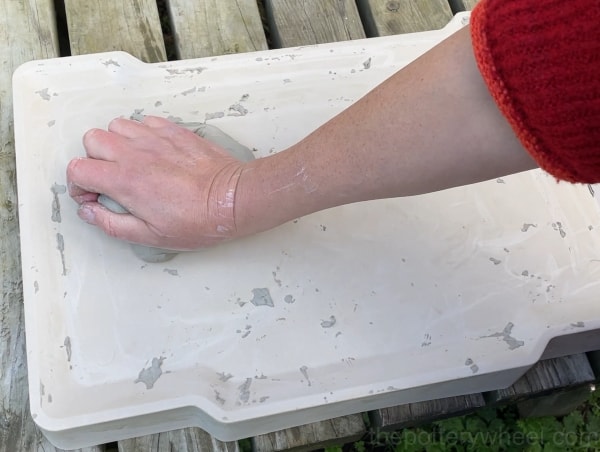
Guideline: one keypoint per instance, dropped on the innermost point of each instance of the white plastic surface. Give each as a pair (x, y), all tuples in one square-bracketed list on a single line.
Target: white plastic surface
[(346, 310)]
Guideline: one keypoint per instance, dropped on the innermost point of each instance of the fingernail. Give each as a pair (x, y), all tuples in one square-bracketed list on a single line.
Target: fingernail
[(86, 213)]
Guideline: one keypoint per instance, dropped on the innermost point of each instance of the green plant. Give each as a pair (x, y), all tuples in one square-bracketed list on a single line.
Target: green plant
[(490, 429), (494, 430)]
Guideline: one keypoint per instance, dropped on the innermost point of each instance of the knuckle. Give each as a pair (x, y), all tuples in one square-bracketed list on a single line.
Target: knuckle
[(110, 226)]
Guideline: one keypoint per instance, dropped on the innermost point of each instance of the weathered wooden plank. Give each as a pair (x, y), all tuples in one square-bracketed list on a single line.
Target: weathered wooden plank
[(412, 414), (216, 27), (184, 440), (27, 32), (105, 25), (469, 4), (546, 376), (390, 17), (304, 22), (312, 436)]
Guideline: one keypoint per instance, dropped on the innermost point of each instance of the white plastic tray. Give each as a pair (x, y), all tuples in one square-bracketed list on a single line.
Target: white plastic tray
[(358, 307)]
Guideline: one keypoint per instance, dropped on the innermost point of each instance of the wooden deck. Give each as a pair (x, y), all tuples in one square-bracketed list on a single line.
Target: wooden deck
[(35, 29)]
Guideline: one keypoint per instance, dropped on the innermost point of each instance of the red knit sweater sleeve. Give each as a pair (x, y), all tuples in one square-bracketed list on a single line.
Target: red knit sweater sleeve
[(541, 62)]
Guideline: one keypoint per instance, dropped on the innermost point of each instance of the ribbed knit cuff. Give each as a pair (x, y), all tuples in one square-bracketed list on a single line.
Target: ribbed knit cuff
[(541, 62)]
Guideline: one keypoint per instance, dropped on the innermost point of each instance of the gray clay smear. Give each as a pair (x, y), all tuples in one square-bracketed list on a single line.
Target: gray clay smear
[(505, 334), (67, 344), (149, 375), (57, 189), (60, 246), (304, 371), (328, 323), (262, 297), (244, 391)]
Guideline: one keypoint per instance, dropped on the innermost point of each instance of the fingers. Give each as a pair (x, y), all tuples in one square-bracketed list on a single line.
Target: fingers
[(164, 128), (107, 144), (128, 128), (120, 225), (157, 122), (88, 177), (103, 145)]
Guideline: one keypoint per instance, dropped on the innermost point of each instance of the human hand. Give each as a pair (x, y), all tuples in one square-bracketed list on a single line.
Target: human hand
[(179, 188)]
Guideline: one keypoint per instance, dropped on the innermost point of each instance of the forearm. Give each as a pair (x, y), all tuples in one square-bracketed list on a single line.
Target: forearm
[(431, 126)]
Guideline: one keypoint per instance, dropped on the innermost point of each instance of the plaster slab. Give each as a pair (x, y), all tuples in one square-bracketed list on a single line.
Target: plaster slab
[(354, 308)]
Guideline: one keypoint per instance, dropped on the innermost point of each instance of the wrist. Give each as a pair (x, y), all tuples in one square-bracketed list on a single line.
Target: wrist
[(274, 190)]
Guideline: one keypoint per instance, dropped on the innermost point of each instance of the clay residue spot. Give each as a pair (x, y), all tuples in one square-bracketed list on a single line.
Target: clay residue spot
[(304, 371), (111, 62), (426, 340), (558, 227), (171, 271), (43, 93), (224, 377), (42, 392), (60, 246), (149, 375), (246, 332), (218, 398), (137, 115), (328, 323), (495, 261), (244, 391), (56, 190), (67, 344), (474, 367), (177, 120), (237, 110), (289, 299), (189, 91), (505, 334), (262, 297), (367, 63), (579, 324), (215, 115), (51, 123), (526, 226), (191, 71)]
